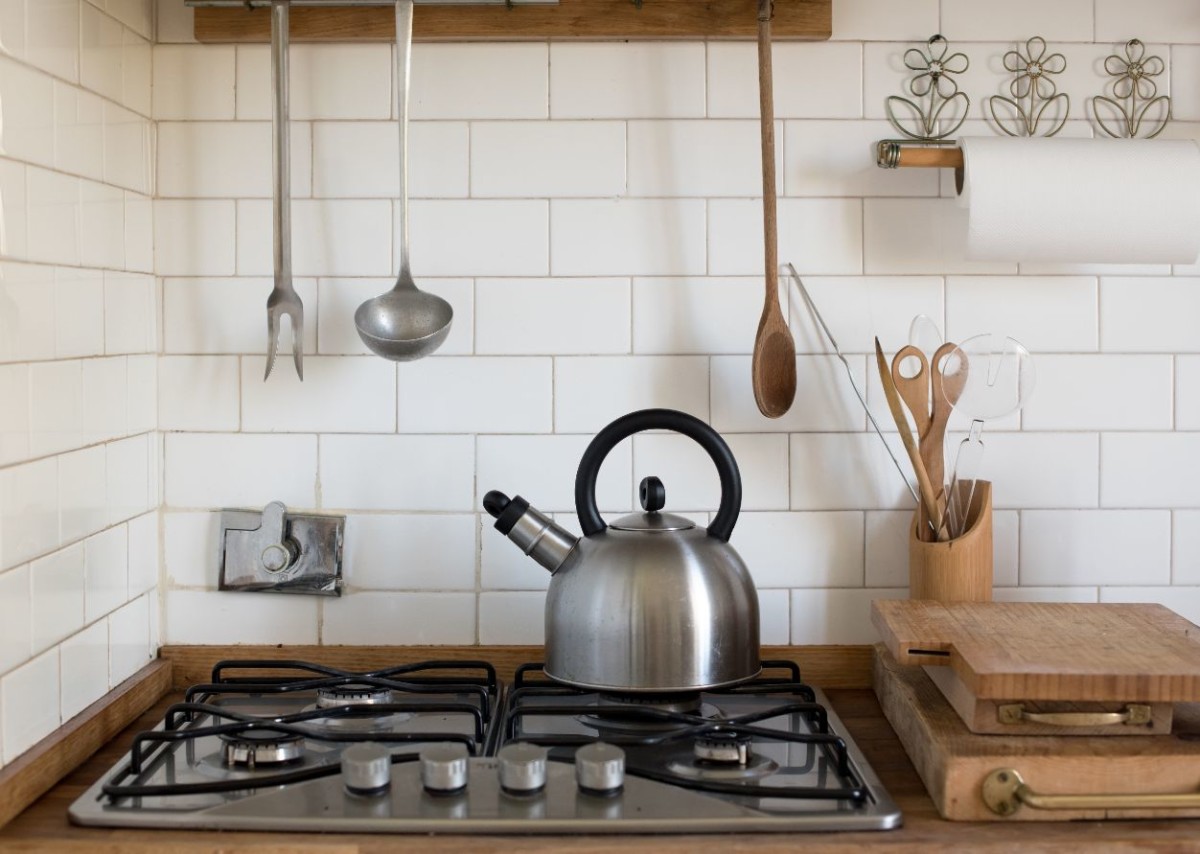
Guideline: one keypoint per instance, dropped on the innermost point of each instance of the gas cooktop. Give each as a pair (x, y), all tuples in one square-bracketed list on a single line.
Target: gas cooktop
[(442, 747)]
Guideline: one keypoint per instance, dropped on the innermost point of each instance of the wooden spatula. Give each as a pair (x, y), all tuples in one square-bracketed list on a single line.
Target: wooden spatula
[(924, 487)]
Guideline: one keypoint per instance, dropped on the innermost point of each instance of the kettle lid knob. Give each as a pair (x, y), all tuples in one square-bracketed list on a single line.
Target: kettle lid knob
[(653, 494)]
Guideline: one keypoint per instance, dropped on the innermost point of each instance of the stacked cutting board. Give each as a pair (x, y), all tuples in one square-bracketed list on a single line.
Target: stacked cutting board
[(1044, 711)]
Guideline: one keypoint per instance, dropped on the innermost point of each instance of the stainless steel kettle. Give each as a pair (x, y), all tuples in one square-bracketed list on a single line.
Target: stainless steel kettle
[(652, 602)]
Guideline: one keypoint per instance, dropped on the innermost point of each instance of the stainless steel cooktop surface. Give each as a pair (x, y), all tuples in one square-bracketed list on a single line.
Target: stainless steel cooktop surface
[(442, 747)]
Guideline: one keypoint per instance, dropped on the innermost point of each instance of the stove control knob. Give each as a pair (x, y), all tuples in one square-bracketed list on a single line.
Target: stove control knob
[(600, 768), (522, 768), (366, 769), (444, 768)]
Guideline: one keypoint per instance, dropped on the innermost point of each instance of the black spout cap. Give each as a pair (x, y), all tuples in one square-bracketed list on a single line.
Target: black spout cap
[(505, 510), (495, 502)]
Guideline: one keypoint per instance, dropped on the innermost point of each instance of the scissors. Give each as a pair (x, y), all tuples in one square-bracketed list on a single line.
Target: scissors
[(930, 397)]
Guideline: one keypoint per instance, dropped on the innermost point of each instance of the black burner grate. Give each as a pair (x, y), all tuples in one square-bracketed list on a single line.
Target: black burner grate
[(426, 677), (421, 688), (647, 752)]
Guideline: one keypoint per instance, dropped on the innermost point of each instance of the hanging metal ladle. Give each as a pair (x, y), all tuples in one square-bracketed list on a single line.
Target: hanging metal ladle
[(406, 323)]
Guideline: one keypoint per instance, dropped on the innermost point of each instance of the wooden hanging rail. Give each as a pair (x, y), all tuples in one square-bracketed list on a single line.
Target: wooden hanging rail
[(809, 20)]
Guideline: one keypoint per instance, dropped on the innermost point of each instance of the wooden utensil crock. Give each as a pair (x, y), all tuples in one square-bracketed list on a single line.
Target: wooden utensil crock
[(958, 570)]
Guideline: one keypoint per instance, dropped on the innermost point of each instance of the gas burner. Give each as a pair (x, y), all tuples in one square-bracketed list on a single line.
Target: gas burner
[(256, 747), (621, 713), (723, 748), (684, 704), (353, 694), (358, 708), (693, 768)]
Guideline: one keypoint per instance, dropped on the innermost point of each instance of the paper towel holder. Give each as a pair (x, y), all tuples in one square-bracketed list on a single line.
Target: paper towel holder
[(933, 154)]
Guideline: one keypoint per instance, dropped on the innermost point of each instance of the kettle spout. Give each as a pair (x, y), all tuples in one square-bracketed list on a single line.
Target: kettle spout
[(534, 532)]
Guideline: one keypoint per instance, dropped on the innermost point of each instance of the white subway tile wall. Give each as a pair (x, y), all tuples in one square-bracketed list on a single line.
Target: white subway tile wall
[(79, 343), (1187, 392), (591, 213)]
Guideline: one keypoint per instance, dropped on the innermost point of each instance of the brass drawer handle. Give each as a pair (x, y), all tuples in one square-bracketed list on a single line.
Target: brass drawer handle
[(1133, 715), (1005, 792)]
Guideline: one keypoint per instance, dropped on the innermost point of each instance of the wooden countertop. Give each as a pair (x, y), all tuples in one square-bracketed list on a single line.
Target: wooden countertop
[(44, 827)]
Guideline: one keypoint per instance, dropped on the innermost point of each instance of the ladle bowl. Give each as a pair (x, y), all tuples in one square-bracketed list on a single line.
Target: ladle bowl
[(405, 323)]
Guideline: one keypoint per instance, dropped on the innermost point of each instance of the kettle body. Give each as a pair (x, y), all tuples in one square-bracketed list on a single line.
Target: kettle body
[(654, 619), (652, 603)]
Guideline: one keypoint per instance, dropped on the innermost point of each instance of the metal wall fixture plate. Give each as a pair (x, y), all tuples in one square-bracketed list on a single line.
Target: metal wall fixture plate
[(272, 551)]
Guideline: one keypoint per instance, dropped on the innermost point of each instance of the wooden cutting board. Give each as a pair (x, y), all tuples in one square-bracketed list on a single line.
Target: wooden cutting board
[(954, 763), (1049, 650)]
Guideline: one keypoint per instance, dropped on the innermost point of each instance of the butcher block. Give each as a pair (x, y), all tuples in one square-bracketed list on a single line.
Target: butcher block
[(1050, 668), (974, 777)]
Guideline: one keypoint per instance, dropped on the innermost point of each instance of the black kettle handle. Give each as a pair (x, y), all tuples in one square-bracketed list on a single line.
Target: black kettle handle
[(590, 520)]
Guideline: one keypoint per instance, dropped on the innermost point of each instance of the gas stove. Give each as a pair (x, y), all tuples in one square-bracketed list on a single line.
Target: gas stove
[(442, 747)]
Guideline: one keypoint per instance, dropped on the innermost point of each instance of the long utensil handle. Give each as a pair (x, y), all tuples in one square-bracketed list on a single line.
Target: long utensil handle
[(816, 313), (404, 30), (281, 175), (967, 466), (928, 495), (766, 112)]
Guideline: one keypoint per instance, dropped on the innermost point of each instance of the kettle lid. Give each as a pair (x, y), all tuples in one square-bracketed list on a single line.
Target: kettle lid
[(653, 497), (652, 522)]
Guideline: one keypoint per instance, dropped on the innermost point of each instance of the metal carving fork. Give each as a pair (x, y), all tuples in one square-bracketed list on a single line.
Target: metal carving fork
[(283, 300)]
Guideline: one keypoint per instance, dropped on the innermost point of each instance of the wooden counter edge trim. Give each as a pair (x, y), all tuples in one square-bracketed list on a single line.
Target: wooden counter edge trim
[(822, 666), (37, 770), (574, 20)]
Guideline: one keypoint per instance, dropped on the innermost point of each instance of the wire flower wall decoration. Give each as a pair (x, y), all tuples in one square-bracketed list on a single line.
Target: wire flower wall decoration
[(935, 90), (1034, 93), (1135, 95), (933, 108)]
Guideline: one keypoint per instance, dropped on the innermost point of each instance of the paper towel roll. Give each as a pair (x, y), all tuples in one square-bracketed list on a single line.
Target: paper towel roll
[(1131, 201)]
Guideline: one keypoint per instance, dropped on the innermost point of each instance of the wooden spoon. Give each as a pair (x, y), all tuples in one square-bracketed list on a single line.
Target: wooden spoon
[(773, 368)]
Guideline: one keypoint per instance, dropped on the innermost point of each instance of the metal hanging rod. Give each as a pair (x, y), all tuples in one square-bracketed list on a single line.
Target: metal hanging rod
[(265, 4)]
